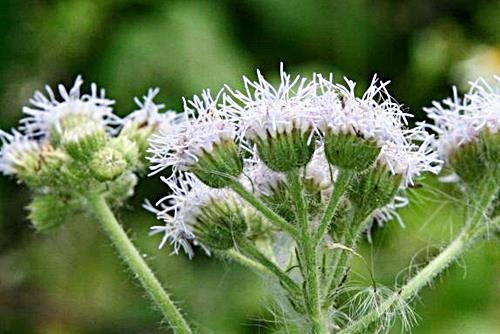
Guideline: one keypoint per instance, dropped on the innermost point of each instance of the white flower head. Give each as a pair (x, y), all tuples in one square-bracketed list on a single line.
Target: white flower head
[(411, 154), (203, 127), (148, 113), (181, 209), (459, 121), (47, 112), (15, 148), (377, 116), (263, 110)]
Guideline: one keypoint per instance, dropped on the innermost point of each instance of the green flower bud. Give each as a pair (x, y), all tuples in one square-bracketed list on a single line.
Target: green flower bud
[(34, 163), (350, 151), (128, 149), (146, 121), (374, 188), (477, 159), (70, 121), (107, 164), (121, 188), (220, 166), (83, 141), (48, 211), (219, 223)]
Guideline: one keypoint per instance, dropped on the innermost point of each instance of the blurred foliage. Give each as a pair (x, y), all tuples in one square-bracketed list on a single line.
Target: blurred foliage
[(69, 281)]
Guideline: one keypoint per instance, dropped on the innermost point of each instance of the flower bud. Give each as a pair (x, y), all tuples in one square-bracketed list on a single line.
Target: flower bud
[(220, 166), (469, 140), (107, 164), (32, 162), (128, 149), (51, 118), (280, 121), (203, 144), (374, 188), (73, 124), (219, 223), (477, 159), (48, 211), (146, 121), (83, 141), (121, 188)]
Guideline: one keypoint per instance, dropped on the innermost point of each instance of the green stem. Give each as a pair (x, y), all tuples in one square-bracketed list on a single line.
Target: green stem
[(308, 248), (250, 249), (262, 208), (473, 230), (481, 199), (137, 265), (349, 238), (339, 188), (236, 256), (413, 286)]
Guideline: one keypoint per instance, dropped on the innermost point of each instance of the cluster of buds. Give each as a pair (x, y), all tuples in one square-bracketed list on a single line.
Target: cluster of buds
[(64, 149)]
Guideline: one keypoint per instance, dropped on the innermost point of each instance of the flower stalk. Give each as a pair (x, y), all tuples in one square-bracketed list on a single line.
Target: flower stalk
[(137, 265), (473, 230), (341, 185), (263, 209), (307, 246), (249, 248)]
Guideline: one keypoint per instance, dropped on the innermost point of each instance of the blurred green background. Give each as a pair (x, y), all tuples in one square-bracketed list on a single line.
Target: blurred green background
[(69, 281)]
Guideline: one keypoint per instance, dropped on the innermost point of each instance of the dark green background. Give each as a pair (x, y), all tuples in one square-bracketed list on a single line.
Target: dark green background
[(69, 281)]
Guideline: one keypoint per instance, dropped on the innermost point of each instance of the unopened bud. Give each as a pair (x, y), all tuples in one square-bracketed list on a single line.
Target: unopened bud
[(82, 142), (107, 164), (48, 211)]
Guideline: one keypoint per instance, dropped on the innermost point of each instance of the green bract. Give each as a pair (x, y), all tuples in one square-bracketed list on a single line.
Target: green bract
[(350, 151), (283, 151), (220, 166)]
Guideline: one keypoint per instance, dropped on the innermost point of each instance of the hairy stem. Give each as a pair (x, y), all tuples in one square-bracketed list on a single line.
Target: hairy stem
[(349, 239), (137, 265), (264, 209), (474, 229), (413, 286), (339, 189), (270, 267), (244, 260), (308, 249)]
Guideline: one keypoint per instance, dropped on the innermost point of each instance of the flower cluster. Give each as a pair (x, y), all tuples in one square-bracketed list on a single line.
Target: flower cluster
[(257, 135), (284, 178), (67, 147)]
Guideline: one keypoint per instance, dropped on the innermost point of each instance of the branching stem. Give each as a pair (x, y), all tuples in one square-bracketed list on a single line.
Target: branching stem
[(308, 250), (339, 188), (264, 209), (474, 229), (270, 267)]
